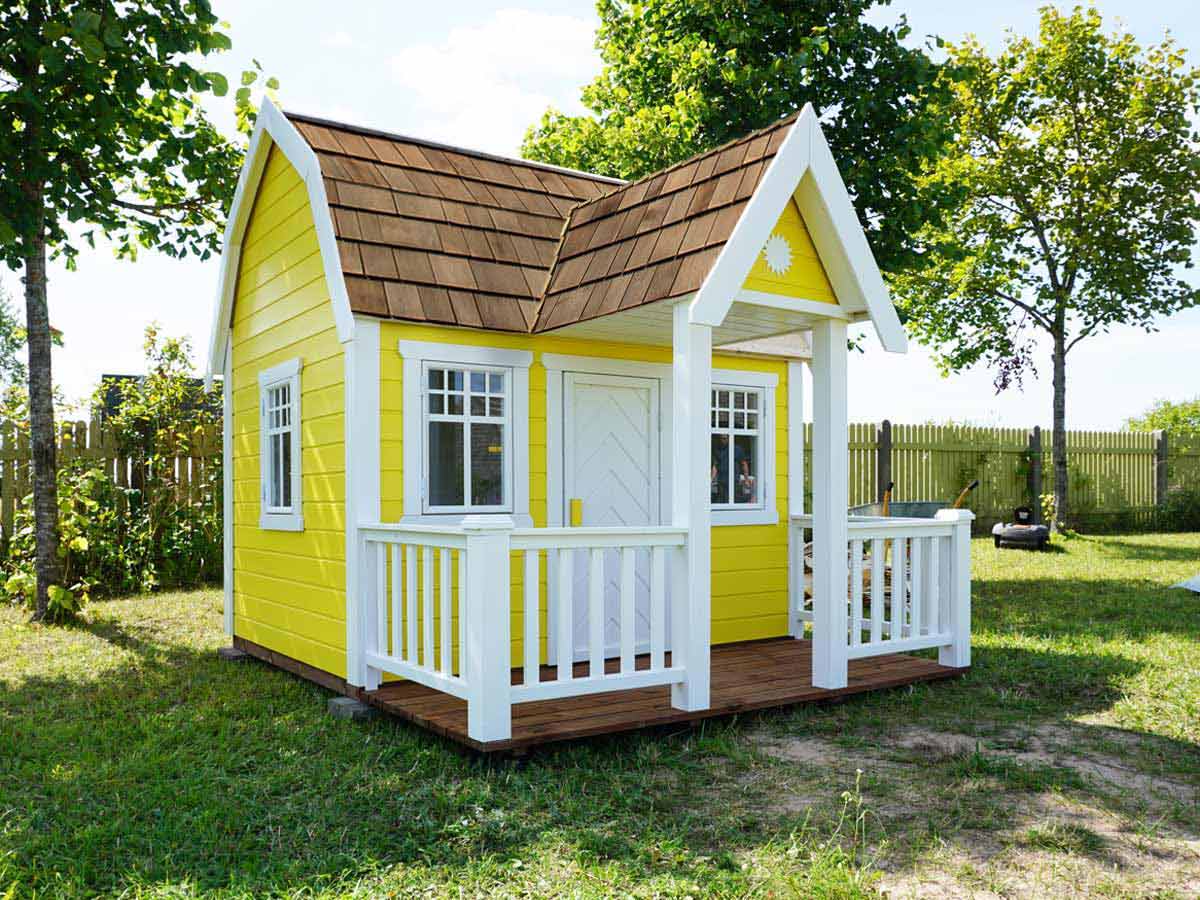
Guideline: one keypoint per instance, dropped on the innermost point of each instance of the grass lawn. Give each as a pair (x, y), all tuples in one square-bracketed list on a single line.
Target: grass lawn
[(1067, 761)]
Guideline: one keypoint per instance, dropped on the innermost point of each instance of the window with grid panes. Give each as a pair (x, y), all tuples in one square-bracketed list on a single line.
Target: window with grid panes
[(737, 423), (466, 439)]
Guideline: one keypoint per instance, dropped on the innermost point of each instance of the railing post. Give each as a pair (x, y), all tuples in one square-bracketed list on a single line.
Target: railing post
[(830, 500), (368, 586), (958, 652), (487, 656)]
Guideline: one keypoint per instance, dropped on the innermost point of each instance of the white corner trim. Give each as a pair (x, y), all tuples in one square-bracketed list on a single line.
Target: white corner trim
[(273, 129), (227, 485), (415, 355), (803, 168), (362, 440), (795, 438)]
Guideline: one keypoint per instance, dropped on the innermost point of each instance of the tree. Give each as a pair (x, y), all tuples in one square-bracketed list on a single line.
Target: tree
[(1182, 418), (1074, 166), (684, 76), (102, 127)]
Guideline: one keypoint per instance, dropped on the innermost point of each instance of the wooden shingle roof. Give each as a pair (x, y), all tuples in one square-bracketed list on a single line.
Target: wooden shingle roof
[(437, 234)]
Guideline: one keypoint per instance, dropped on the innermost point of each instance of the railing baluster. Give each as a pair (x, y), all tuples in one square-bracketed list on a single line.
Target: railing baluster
[(896, 619), (396, 602), (427, 606), (462, 614), (532, 603), (596, 613), (916, 580), (563, 607), (658, 607), (444, 590), (410, 602), (628, 610), (381, 604), (878, 587), (856, 591), (933, 600)]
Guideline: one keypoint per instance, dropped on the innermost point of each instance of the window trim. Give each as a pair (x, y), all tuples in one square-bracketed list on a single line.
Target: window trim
[(764, 512), (291, 518), (417, 357)]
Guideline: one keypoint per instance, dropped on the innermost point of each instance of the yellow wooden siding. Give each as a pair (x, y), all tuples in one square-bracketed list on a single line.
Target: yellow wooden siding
[(805, 276), (749, 562), (289, 587)]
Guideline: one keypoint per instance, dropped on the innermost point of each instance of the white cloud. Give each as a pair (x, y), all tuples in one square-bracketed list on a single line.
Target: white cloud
[(485, 83), (338, 40)]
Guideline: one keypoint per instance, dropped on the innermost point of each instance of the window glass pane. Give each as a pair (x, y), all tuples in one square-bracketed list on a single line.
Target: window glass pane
[(285, 470), (496, 406), (723, 399), (454, 379), (478, 382), (739, 420), (739, 400), (275, 461), (751, 420), (752, 401), (436, 379), (720, 469), (437, 403), (722, 419), (487, 464), (496, 383), (478, 405), (454, 404), (446, 463), (745, 464)]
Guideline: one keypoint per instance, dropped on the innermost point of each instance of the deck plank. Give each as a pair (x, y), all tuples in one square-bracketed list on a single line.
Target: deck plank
[(747, 676)]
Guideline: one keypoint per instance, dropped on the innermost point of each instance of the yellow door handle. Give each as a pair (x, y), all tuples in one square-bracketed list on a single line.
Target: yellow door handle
[(576, 512)]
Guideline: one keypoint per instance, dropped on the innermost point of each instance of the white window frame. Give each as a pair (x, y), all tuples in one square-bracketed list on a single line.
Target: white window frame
[(764, 511), (419, 357), (289, 518)]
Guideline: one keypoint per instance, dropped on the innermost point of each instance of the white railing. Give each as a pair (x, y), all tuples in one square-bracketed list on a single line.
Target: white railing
[(438, 609), (908, 585), (611, 567)]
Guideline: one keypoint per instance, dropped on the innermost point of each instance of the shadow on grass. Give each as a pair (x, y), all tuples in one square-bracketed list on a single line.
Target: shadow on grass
[(173, 767)]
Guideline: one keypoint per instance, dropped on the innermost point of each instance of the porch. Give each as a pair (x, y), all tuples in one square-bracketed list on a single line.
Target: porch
[(747, 676)]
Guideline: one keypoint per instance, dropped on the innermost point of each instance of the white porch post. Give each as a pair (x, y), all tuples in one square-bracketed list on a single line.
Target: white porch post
[(955, 592), (691, 626), (488, 654), (795, 375), (227, 481), (830, 500)]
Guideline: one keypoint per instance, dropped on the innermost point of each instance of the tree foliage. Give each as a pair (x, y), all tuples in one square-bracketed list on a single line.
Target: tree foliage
[(1073, 171), (1181, 418), (683, 76)]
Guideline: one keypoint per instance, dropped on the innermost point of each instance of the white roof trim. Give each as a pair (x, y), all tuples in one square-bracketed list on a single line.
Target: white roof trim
[(273, 129), (804, 168)]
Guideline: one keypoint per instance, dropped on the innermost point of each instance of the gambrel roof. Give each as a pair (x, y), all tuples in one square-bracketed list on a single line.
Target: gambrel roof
[(418, 231)]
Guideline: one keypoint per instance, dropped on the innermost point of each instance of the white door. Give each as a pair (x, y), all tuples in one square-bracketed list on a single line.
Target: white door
[(611, 465)]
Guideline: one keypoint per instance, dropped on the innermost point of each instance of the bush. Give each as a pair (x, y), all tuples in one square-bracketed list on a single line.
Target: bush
[(1181, 510), (152, 534)]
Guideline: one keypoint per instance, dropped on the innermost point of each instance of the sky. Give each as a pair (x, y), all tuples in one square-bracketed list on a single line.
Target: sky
[(477, 74)]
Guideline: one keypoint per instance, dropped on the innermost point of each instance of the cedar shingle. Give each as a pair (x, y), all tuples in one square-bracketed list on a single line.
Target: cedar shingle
[(668, 241), (664, 277), (678, 208), (402, 300), (477, 243), (377, 261), (413, 265), (351, 263), (749, 181), (639, 283), (697, 232), (642, 248), (354, 145), (345, 222), (702, 197), (410, 232), (726, 188), (496, 278), (729, 158), (419, 207), (364, 196), (366, 296), (693, 270), (452, 271), (452, 239), (465, 310), (435, 303)]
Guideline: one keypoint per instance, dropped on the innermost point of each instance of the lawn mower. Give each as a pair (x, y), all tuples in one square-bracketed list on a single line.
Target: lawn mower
[(1022, 532)]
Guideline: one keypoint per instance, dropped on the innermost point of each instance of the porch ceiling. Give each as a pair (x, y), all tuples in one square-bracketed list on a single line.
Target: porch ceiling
[(651, 325)]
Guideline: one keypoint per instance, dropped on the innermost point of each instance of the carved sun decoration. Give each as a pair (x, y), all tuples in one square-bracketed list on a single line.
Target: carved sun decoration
[(778, 253)]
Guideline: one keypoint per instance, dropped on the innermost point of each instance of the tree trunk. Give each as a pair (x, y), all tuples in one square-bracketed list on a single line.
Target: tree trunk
[(41, 422), (1059, 441)]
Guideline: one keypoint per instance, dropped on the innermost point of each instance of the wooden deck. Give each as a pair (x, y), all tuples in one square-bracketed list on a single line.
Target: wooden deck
[(746, 676)]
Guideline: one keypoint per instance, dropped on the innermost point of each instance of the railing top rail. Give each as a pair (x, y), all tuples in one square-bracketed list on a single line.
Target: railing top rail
[(592, 536), (398, 533)]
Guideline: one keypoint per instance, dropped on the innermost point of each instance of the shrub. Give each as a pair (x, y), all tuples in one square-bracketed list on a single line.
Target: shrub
[(1181, 510)]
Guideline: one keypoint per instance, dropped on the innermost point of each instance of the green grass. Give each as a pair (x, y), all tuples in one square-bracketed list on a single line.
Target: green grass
[(133, 762)]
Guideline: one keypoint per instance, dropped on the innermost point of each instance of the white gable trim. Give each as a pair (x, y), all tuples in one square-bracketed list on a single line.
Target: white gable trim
[(273, 129), (804, 168)]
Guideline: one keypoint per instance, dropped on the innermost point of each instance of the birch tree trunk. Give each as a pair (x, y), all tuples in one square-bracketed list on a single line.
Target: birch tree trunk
[(41, 420)]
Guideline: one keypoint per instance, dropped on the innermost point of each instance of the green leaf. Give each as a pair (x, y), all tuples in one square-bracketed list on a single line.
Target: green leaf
[(249, 76), (218, 83), (92, 48)]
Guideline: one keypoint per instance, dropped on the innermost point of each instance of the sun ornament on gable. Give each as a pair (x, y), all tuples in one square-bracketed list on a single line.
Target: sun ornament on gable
[(778, 253)]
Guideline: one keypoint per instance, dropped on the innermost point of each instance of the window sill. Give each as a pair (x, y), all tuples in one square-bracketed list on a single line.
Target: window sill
[(767, 516), (281, 522)]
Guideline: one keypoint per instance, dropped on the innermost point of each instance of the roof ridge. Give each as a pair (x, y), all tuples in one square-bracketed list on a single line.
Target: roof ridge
[(749, 136), (438, 145)]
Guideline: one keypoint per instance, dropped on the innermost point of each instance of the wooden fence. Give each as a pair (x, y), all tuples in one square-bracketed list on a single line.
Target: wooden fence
[(1118, 479), (92, 441)]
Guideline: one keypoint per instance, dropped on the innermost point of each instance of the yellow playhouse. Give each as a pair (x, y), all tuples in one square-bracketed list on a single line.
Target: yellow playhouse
[(514, 451)]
